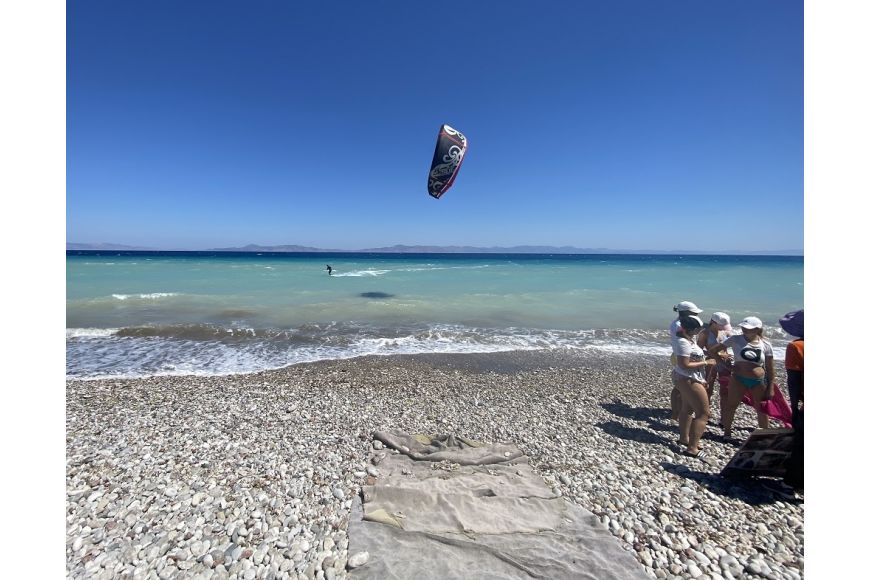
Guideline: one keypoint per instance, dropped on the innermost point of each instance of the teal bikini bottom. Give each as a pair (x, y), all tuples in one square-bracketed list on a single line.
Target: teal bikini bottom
[(750, 382)]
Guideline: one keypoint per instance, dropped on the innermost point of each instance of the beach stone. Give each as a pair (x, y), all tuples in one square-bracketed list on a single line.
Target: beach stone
[(698, 556), (358, 559), (728, 561), (758, 567)]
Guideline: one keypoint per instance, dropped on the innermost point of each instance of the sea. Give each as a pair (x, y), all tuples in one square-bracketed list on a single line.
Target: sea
[(140, 314)]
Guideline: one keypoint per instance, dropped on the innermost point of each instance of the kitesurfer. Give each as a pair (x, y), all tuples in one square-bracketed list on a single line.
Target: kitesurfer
[(329, 269)]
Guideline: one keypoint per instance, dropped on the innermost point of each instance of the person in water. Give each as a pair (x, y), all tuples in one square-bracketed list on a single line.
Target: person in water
[(329, 269), (753, 371), (690, 377)]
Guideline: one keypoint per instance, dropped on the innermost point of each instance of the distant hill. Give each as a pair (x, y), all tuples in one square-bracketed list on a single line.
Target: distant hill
[(285, 248), (400, 249), (403, 249), (107, 246)]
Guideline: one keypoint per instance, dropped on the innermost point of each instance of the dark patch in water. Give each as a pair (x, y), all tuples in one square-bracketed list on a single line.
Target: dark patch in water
[(376, 295), (236, 313)]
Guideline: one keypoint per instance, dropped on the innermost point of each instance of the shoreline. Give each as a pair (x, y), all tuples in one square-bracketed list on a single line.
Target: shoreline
[(234, 475)]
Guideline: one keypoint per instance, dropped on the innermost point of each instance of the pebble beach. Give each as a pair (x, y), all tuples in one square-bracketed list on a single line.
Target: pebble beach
[(252, 476)]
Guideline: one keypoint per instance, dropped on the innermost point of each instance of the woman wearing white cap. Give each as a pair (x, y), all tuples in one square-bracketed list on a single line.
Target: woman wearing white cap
[(716, 332), (690, 377), (683, 309), (753, 371)]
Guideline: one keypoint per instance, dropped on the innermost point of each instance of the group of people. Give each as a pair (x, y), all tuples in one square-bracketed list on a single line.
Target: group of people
[(742, 363)]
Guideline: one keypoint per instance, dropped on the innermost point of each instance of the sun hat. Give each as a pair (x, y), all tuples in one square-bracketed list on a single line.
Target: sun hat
[(687, 306), (793, 323), (751, 322), (722, 320), (690, 323)]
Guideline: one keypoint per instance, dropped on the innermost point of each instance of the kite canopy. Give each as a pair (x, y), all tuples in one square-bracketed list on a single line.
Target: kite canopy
[(449, 151)]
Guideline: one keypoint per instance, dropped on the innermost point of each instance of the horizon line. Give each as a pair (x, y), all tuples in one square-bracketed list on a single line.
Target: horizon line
[(420, 248)]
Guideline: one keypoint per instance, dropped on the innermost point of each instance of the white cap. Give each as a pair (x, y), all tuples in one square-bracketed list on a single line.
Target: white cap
[(690, 323), (721, 319), (751, 322), (687, 306)]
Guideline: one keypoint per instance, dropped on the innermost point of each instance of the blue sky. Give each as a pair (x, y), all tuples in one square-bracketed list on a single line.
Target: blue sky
[(625, 125)]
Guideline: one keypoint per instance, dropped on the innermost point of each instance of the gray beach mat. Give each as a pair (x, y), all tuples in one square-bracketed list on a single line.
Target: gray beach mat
[(452, 508)]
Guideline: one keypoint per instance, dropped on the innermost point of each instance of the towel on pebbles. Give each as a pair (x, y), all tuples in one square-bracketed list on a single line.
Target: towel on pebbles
[(447, 507)]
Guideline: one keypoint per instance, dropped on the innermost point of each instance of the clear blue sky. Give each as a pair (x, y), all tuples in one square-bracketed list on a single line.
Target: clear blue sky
[(626, 125)]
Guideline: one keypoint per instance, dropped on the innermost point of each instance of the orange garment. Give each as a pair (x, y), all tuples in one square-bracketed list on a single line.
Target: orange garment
[(794, 355)]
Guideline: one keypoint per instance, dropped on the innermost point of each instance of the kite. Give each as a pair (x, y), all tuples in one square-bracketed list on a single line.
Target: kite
[(449, 151)]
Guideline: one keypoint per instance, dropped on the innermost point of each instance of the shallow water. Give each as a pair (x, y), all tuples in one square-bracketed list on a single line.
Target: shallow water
[(138, 314)]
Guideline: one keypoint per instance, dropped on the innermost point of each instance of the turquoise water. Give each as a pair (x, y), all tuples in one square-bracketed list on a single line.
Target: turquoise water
[(137, 314)]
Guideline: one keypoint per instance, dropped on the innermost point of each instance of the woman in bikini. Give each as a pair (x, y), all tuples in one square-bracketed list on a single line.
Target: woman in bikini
[(717, 331), (753, 371), (690, 378)]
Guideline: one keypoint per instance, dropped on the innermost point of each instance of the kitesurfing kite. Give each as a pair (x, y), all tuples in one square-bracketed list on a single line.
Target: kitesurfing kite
[(449, 151)]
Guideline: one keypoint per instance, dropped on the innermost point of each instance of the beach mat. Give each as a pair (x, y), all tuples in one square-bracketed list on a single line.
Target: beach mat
[(447, 507), (765, 452)]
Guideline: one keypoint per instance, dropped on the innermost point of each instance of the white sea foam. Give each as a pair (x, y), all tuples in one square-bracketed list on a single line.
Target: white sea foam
[(151, 296), (428, 268), (359, 273), (223, 353), (89, 332)]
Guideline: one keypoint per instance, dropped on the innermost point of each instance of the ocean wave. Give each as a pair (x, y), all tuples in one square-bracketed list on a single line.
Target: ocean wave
[(359, 273), (151, 296), (204, 349), (89, 332), (428, 268), (207, 349)]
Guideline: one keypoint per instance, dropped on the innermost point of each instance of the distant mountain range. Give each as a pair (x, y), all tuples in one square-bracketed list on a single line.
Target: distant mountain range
[(402, 249), (108, 246)]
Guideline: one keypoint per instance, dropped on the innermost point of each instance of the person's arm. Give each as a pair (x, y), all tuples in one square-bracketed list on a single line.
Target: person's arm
[(795, 385), (702, 339), (716, 349), (794, 372), (685, 363)]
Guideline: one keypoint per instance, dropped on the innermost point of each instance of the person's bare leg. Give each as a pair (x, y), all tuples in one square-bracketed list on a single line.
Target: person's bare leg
[(763, 418), (735, 395), (676, 404), (685, 417), (723, 395), (695, 395), (711, 381)]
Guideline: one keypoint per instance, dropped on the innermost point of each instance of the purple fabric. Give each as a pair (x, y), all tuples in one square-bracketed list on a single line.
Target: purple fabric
[(793, 323)]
